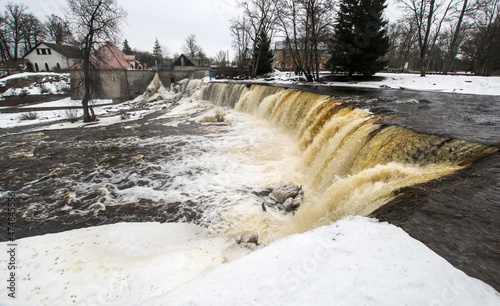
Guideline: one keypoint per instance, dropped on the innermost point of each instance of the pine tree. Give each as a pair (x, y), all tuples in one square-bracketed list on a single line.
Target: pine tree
[(263, 55), (360, 37), (157, 52), (126, 48)]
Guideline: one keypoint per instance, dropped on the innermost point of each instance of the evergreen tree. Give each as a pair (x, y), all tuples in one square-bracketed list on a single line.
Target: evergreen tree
[(157, 52), (360, 37), (126, 48), (263, 55)]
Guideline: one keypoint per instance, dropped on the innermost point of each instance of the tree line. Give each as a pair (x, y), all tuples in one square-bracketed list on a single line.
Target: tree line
[(353, 37), (21, 31), (447, 35), (160, 56)]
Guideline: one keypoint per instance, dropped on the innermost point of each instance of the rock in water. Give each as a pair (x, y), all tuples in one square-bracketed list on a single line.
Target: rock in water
[(284, 191), (288, 196)]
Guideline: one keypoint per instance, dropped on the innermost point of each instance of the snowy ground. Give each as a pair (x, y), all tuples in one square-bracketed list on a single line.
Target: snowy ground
[(465, 84), (47, 83), (355, 261), (10, 120)]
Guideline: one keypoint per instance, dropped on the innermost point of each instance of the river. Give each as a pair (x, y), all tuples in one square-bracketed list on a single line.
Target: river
[(427, 162)]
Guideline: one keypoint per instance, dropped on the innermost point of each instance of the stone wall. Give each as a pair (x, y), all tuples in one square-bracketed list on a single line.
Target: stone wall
[(122, 85)]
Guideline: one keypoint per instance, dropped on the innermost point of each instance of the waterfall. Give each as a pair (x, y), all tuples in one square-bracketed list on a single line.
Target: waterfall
[(351, 164)]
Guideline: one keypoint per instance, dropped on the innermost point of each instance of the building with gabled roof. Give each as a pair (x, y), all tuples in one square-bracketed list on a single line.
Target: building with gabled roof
[(50, 57), (109, 57)]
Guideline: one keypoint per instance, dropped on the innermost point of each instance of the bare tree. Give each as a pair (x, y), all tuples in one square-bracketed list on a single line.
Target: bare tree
[(191, 47), (481, 47), (220, 58), (32, 31), (57, 29), (4, 40), (94, 22), (428, 18), (14, 19), (262, 17), (306, 25), (240, 31)]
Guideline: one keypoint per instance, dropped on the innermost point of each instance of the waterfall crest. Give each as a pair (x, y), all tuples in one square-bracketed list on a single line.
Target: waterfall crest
[(351, 163)]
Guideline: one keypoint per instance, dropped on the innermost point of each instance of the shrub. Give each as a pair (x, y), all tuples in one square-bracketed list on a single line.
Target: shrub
[(71, 115), (29, 116)]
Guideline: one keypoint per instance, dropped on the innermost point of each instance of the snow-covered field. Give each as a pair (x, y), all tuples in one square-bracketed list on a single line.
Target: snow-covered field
[(465, 84), (10, 120), (354, 261)]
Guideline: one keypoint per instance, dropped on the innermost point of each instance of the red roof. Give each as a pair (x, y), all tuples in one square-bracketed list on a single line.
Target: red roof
[(110, 57)]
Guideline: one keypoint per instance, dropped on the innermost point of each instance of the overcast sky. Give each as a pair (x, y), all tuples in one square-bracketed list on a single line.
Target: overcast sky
[(171, 21)]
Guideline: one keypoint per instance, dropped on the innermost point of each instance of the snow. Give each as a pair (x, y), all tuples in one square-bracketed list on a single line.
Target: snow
[(67, 102), (28, 74), (43, 116), (354, 261), (120, 263), (464, 84), (47, 86)]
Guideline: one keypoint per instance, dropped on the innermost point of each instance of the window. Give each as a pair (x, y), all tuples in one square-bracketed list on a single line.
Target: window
[(113, 78), (58, 66), (47, 67), (36, 67), (43, 51)]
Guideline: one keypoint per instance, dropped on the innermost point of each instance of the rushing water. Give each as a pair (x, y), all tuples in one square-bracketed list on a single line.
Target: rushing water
[(351, 164), (176, 164)]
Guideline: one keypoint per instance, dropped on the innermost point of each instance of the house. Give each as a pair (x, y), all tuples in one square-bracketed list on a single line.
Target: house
[(283, 58), (50, 57), (109, 57), (184, 62)]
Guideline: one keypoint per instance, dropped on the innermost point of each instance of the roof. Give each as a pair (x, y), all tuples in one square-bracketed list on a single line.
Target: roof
[(183, 60), (129, 58), (110, 57), (65, 50)]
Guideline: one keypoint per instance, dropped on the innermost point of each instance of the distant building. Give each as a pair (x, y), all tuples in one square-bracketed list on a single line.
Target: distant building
[(283, 59), (184, 62), (50, 57)]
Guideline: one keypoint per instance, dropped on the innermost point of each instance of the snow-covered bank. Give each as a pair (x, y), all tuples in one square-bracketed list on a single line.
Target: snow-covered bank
[(114, 264), (11, 120), (36, 83), (464, 84), (355, 261)]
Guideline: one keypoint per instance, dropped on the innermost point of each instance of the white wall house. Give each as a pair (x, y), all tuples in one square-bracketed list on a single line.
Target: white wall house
[(50, 57)]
